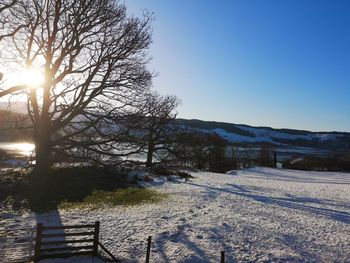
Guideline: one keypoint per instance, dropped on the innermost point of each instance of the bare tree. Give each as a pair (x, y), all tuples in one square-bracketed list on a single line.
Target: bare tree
[(7, 30), (158, 126), (265, 155), (93, 58), (191, 148)]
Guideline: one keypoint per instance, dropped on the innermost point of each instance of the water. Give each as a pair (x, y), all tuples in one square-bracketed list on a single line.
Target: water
[(283, 153), (18, 149), (26, 150)]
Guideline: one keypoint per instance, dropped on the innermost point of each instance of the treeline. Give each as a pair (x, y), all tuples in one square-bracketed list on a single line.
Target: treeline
[(203, 151), (336, 163), (209, 151)]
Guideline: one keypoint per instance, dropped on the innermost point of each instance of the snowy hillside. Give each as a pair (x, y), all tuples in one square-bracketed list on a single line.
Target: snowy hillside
[(239, 133), (255, 215)]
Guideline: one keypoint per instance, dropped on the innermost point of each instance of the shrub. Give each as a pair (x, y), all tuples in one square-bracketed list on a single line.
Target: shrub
[(147, 178), (184, 175), (161, 170), (71, 184)]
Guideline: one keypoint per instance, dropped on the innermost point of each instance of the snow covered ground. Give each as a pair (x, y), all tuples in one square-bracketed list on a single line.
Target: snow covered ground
[(255, 215)]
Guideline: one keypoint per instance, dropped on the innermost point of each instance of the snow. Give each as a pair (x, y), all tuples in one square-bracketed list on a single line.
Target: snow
[(255, 215), (77, 259), (239, 138), (266, 135)]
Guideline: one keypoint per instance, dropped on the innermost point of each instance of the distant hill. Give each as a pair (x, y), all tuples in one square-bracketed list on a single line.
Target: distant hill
[(16, 106), (245, 134)]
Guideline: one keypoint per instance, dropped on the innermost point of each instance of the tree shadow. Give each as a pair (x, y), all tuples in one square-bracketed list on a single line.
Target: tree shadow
[(181, 238), (292, 202), (298, 176), (177, 238), (297, 204), (239, 188), (51, 218)]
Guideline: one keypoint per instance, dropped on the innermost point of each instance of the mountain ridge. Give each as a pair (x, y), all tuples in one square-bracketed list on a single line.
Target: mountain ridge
[(265, 127), (242, 133)]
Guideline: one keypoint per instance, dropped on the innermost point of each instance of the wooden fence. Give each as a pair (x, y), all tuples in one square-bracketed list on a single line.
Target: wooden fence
[(73, 240), (66, 241)]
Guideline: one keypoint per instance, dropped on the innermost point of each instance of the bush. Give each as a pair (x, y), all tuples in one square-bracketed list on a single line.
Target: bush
[(184, 175), (148, 178), (71, 184), (161, 170)]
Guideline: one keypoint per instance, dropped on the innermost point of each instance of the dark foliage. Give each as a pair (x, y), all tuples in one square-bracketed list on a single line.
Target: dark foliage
[(161, 170), (184, 175), (20, 191)]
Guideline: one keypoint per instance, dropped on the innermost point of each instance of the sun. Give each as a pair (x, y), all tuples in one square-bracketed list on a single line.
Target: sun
[(31, 77)]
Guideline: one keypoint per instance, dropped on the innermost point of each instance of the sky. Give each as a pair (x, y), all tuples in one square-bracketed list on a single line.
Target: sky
[(284, 64)]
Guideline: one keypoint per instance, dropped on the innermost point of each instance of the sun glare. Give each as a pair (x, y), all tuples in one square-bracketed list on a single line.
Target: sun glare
[(31, 77), (21, 148)]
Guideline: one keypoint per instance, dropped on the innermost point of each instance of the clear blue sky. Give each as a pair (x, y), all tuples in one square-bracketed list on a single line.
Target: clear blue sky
[(272, 63)]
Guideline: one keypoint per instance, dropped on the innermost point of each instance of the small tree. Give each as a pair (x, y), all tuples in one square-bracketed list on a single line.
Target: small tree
[(182, 148), (203, 151), (265, 155), (218, 160), (233, 158), (158, 124), (191, 148)]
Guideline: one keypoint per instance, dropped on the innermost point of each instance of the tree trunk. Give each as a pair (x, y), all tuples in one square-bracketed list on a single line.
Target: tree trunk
[(43, 151), (150, 153)]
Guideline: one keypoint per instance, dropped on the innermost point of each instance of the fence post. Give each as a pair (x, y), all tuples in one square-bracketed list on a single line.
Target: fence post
[(149, 240), (39, 233), (222, 257), (96, 237)]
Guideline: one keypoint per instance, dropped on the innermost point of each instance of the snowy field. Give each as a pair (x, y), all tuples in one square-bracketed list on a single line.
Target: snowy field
[(255, 215)]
